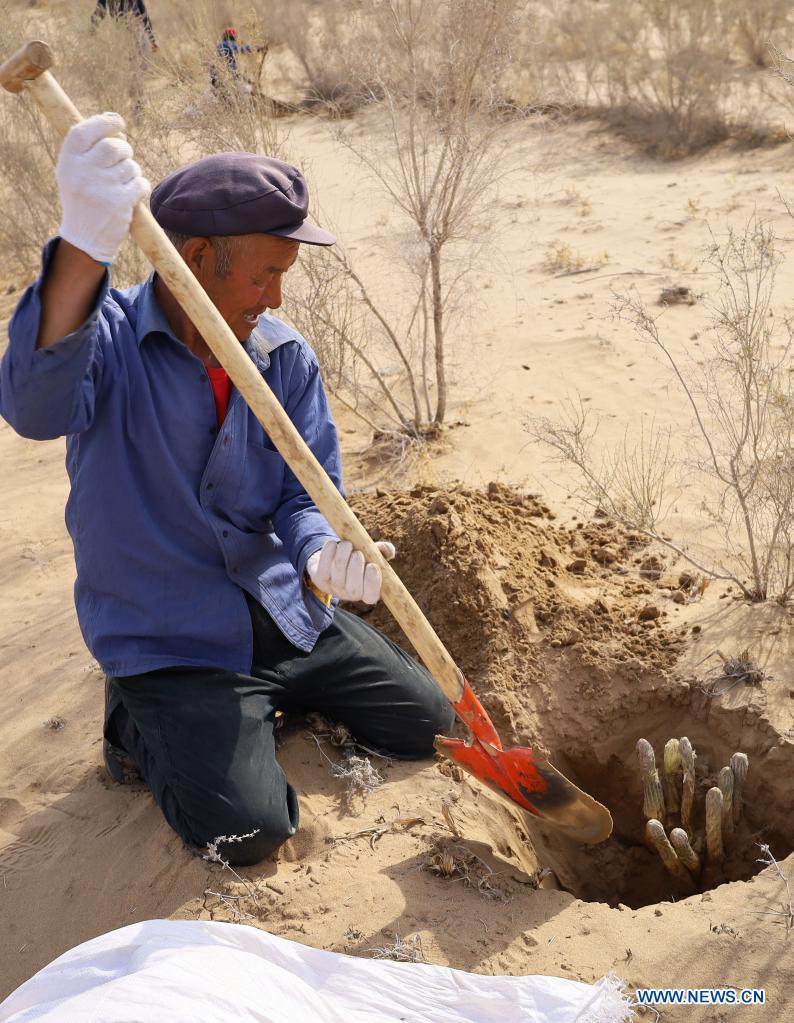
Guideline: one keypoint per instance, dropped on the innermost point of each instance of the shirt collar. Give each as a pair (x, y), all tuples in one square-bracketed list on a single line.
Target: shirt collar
[(151, 318), (269, 334)]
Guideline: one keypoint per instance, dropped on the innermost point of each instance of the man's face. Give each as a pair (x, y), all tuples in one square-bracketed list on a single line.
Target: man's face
[(253, 283)]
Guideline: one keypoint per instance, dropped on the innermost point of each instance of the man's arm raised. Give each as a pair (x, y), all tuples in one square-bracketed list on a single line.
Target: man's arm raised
[(53, 365), (68, 293)]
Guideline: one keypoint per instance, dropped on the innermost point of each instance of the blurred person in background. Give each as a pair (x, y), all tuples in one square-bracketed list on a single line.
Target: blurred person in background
[(133, 13), (228, 50)]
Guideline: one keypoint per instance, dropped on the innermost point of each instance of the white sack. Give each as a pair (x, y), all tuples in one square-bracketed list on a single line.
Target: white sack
[(180, 971)]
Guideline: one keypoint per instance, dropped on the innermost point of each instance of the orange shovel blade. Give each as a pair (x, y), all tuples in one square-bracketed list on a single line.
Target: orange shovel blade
[(521, 776), (530, 781)]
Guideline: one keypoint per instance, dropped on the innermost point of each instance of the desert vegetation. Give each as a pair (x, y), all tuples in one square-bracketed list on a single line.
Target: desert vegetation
[(446, 91), (454, 81), (738, 442), (534, 199)]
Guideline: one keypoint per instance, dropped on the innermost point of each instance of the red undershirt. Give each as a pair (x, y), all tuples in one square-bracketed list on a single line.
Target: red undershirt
[(221, 389)]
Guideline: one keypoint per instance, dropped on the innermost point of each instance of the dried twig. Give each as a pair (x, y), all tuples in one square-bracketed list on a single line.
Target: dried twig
[(739, 670), (214, 856), (377, 831), (787, 913)]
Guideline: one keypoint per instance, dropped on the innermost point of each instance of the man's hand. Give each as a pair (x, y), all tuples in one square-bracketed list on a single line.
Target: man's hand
[(342, 572), (100, 184)]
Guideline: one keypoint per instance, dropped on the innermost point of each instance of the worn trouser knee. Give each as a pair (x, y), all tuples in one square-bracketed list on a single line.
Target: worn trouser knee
[(414, 739), (249, 833)]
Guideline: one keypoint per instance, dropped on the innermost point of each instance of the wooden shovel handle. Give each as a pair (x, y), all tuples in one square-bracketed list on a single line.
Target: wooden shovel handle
[(27, 70)]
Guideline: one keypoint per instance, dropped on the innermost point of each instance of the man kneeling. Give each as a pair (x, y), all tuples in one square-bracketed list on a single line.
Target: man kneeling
[(207, 580)]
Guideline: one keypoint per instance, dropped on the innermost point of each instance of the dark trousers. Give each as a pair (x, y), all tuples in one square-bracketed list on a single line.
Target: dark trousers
[(203, 740)]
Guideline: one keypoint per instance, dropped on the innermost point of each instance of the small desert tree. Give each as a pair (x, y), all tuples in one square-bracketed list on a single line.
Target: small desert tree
[(435, 71), (742, 403)]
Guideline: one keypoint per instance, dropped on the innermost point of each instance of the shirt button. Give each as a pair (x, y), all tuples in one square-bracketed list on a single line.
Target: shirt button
[(210, 486), (225, 533), (234, 570), (212, 431)]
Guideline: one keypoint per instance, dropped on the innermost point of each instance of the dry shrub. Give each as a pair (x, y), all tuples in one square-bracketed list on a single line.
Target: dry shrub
[(172, 116), (327, 40), (667, 73), (758, 26), (741, 443), (664, 74), (436, 71)]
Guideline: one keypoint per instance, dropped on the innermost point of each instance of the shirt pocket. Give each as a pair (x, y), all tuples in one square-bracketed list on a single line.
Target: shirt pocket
[(259, 493)]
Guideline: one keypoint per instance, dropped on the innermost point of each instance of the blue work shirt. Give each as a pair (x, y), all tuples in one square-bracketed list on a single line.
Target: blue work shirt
[(172, 519)]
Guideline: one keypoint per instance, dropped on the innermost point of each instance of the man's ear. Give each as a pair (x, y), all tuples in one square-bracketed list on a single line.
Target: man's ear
[(199, 255)]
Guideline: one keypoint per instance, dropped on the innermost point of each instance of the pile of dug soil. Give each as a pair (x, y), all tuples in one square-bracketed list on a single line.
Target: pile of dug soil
[(568, 636), (520, 601)]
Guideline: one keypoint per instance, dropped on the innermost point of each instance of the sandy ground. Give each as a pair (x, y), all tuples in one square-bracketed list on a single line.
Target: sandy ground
[(561, 658)]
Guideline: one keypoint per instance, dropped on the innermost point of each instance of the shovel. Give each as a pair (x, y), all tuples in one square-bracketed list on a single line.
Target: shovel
[(524, 778)]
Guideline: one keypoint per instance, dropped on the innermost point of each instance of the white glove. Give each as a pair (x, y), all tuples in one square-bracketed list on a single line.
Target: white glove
[(342, 572), (100, 184)]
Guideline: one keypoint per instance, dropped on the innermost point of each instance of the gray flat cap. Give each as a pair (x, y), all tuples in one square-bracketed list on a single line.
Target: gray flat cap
[(237, 193)]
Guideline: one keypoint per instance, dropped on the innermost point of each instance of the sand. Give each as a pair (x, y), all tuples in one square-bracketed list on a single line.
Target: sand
[(545, 612)]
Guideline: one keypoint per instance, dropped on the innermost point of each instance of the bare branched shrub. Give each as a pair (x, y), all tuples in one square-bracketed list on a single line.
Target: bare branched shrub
[(375, 362), (579, 47), (757, 27), (436, 71), (664, 73), (326, 40), (630, 482), (742, 403), (667, 73)]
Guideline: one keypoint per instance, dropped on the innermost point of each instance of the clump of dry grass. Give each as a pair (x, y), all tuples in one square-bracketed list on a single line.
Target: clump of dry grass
[(359, 773), (456, 862), (741, 669), (561, 258), (401, 950), (361, 777)]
